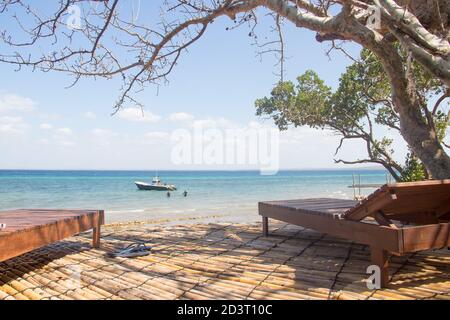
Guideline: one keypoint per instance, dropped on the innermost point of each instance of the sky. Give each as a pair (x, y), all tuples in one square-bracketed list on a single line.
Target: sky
[(44, 125)]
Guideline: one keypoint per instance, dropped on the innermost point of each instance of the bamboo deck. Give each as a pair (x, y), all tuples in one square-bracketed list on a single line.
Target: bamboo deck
[(218, 261)]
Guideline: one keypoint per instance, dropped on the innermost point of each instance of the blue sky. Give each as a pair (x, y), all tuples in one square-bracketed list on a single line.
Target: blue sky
[(43, 125)]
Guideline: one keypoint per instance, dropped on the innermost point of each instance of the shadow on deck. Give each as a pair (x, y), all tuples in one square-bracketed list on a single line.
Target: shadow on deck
[(218, 261)]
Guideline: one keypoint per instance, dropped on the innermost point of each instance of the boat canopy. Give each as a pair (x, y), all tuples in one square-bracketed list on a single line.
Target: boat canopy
[(156, 180)]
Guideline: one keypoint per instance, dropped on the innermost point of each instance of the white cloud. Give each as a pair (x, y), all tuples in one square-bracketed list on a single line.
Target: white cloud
[(159, 138), (12, 125), (46, 126), (138, 115), (157, 135), (181, 117), (255, 125), (90, 115), (104, 137), (13, 102), (215, 123), (63, 137), (104, 133), (50, 117), (65, 131), (65, 143)]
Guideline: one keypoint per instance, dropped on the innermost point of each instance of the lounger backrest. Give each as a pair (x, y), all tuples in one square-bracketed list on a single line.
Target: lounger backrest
[(406, 198)]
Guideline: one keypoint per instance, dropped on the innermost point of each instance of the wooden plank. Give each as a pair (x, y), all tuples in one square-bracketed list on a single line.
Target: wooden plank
[(371, 206), (380, 258), (383, 220), (28, 218), (27, 230), (443, 209), (415, 203), (96, 237), (361, 232), (186, 264), (416, 217), (98, 221), (426, 183), (317, 206), (265, 226), (411, 198), (426, 237), (316, 202)]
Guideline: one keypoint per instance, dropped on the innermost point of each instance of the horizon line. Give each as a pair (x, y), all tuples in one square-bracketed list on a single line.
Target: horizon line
[(199, 170)]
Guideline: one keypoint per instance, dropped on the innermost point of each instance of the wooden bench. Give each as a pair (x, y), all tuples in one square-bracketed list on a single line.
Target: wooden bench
[(396, 219), (26, 230)]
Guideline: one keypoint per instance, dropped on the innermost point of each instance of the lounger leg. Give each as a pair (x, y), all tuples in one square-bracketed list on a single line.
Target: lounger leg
[(380, 258), (265, 226), (96, 237), (99, 220)]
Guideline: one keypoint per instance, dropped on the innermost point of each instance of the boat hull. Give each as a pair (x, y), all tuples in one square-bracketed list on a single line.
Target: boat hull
[(149, 187)]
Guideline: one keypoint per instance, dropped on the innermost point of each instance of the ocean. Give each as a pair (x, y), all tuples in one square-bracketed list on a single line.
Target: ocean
[(228, 196)]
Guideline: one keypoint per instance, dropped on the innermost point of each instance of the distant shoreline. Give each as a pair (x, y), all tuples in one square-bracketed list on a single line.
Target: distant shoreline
[(195, 170)]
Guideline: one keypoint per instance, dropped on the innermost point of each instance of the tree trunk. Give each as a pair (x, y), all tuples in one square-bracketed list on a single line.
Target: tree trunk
[(392, 172), (424, 142), (422, 139), (416, 132)]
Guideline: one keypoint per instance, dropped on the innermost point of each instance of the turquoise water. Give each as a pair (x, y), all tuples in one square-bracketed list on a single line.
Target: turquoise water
[(232, 195)]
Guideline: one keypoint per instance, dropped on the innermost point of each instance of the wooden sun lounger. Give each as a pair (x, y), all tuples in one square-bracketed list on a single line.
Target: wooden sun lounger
[(27, 230), (396, 219)]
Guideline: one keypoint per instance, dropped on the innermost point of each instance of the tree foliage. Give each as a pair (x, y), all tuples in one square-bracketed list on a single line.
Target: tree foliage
[(361, 102), (109, 43)]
